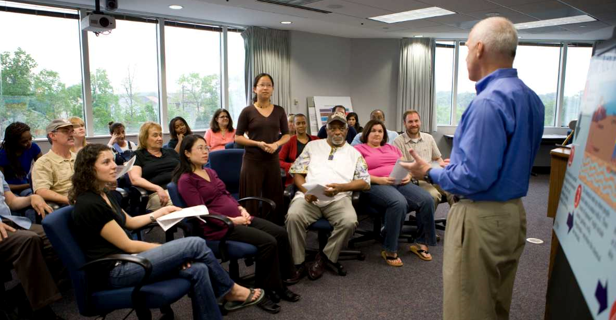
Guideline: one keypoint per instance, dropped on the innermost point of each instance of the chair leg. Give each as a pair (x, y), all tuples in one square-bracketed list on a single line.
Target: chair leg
[(167, 313), (234, 270), (143, 314)]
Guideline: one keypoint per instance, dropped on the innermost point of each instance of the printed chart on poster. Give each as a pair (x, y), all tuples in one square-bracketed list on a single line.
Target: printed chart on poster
[(586, 218), (324, 107)]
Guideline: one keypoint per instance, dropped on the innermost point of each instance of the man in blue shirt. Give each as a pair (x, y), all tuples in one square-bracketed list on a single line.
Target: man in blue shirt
[(493, 151)]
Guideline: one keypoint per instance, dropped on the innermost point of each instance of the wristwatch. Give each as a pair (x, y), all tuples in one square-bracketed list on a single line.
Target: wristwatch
[(152, 218), (427, 176)]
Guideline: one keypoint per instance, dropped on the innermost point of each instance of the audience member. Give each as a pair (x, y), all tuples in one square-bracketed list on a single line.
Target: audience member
[(17, 153), (424, 144), (379, 115), (292, 149), (492, 157), (52, 172), (80, 133), (25, 247), (221, 130), (102, 228), (341, 169), (153, 165), (122, 148), (353, 121), (396, 197), (178, 129), (291, 126), (351, 132), (263, 121), (199, 186)]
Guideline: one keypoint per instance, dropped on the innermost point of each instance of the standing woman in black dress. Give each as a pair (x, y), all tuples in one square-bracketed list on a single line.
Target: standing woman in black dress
[(264, 123)]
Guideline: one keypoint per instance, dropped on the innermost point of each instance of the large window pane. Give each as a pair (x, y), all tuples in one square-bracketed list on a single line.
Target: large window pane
[(578, 61), (124, 76), (466, 87), (443, 76), (40, 72), (237, 95), (193, 74), (538, 68)]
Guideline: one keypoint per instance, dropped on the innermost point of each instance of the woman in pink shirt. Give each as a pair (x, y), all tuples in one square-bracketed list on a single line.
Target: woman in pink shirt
[(396, 199), (221, 130)]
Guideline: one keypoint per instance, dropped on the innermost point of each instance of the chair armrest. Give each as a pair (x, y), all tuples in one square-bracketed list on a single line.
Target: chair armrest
[(355, 197), (54, 206), (271, 203), (289, 191), (123, 192), (144, 193), (415, 181)]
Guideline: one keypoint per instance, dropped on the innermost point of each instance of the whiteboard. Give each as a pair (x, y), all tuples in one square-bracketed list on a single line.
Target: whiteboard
[(324, 107)]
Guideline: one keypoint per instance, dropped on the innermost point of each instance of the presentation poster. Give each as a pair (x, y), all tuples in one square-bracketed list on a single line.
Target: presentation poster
[(586, 219), (324, 107)]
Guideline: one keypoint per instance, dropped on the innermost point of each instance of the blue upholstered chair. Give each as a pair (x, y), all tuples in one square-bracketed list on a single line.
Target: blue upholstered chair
[(92, 302), (224, 250), (228, 164)]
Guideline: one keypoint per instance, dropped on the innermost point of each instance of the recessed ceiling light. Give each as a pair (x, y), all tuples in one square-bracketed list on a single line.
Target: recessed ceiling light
[(176, 7), (424, 13), (493, 14), (286, 22), (419, 36), (553, 22)]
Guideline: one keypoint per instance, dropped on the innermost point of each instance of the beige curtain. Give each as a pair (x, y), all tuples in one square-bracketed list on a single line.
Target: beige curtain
[(416, 81), (267, 51)]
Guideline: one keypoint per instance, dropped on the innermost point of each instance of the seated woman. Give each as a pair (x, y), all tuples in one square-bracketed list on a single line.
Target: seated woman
[(397, 199), (199, 186), (123, 149), (178, 129), (292, 149), (79, 134), (102, 229), (153, 165), (353, 121), (17, 153), (221, 130)]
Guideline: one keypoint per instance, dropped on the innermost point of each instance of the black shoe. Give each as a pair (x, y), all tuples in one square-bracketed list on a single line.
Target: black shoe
[(45, 313), (268, 305), (289, 295), (300, 272)]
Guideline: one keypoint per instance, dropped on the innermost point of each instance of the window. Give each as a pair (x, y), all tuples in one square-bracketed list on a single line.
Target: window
[(538, 67), (466, 87), (124, 76), (578, 61), (193, 73), (443, 76), (37, 83), (237, 95)]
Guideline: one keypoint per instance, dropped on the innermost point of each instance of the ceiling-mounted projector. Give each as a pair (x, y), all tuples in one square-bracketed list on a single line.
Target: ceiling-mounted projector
[(98, 23)]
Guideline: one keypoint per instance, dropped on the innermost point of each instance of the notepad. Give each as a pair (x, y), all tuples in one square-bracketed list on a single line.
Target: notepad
[(173, 218), (318, 190)]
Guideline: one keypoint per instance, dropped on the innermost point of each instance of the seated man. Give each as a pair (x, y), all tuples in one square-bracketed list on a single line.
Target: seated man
[(52, 173), (426, 147), (379, 115), (341, 169), (24, 246), (351, 132)]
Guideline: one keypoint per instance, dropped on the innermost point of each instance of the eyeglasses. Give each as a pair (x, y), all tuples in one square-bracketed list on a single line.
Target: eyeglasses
[(203, 149), (223, 117), (65, 131), (265, 85)]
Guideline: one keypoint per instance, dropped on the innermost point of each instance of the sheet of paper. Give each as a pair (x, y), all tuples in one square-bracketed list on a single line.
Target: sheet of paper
[(173, 218), (127, 167), (398, 172), (317, 190)]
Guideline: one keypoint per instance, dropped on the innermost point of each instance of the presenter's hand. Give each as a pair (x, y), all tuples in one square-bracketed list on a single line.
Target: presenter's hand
[(418, 168), (310, 198), (444, 163)]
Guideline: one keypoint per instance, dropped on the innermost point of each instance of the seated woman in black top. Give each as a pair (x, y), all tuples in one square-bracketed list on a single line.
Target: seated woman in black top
[(101, 228), (154, 165), (178, 129)]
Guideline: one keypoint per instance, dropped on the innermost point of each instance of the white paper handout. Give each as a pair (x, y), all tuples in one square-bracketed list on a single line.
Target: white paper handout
[(399, 172), (126, 168), (317, 190), (171, 219)]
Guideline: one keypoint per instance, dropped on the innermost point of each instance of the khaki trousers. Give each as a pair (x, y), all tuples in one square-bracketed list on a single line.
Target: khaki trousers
[(483, 244), (154, 202), (437, 193), (301, 214)]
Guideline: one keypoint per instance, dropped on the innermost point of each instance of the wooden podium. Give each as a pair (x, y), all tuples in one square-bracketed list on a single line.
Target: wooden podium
[(558, 167)]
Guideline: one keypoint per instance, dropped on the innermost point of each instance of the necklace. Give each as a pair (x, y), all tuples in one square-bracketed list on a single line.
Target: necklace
[(258, 105)]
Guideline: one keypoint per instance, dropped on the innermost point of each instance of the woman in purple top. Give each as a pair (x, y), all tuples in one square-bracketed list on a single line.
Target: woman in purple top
[(397, 199), (201, 186)]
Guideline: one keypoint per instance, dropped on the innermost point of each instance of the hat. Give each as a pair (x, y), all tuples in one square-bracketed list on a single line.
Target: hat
[(57, 124), (338, 116)]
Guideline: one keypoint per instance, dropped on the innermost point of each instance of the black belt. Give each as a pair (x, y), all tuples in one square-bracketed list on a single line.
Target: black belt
[(457, 198)]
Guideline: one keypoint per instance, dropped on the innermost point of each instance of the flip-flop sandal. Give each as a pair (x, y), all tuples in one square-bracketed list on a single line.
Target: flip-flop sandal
[(392, 261), (420, 252), (237, 305)]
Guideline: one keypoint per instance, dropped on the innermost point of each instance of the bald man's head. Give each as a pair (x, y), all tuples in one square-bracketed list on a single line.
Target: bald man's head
[(492, 41)]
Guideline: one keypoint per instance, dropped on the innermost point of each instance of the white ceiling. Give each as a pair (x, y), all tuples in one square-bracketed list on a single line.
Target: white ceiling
[(348, 18)]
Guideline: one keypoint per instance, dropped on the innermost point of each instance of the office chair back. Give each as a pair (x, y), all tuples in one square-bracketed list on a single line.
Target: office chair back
[(228, 164)]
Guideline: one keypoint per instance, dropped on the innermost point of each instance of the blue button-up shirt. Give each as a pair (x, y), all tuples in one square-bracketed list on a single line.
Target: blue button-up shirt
[(496, 141)]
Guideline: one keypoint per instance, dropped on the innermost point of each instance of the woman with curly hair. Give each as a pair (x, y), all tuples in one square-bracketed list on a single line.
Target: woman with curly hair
[(102, 229), (17, 153), (221, 130)]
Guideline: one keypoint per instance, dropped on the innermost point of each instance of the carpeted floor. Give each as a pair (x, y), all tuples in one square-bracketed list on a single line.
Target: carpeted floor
[(372, 290)]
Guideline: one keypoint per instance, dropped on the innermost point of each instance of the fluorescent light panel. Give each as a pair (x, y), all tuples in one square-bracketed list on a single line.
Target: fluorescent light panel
[(554, 22), (418, 14)]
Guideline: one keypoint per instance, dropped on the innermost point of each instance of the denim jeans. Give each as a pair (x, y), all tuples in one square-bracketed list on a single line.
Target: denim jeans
[(209, 280), (397, 202)]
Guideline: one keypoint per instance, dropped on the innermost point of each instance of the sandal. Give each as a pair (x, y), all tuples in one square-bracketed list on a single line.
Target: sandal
[(236, 305), (392, 261), (421, 253)]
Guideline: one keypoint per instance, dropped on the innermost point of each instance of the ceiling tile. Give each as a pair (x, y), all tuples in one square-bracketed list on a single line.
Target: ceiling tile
[(585, 27), (408, 25), (349, 9), (509, 3), (514, 16), (391, 5), (546, 30), (548, 10), (462, 6)]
